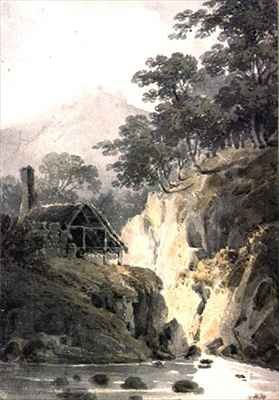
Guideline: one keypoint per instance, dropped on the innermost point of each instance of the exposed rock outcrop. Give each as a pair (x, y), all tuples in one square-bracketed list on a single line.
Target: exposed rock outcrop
[(72, 311), (215, 247)]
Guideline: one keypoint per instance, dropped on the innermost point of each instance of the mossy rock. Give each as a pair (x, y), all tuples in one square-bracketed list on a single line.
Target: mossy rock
[(186, 386), (61, 381), (100, 379), (206, 361), (77, 395), (134, 382)]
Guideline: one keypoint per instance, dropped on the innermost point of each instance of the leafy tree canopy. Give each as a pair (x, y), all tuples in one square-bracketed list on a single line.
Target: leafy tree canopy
[(119, 206), (247, 51), (63, 176), (230, 99)]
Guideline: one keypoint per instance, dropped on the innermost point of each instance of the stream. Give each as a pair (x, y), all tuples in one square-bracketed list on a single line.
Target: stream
[(34, 382)]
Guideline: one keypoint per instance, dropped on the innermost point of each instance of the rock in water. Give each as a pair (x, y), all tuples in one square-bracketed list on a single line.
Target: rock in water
[(204, 366), (213, 346), (76, 395), (206, 361), (134, 382), (229, 351), (61, 381), (76, 378), (186, 386), (100, 379), (158, 364), (193, 352), (240, 376)]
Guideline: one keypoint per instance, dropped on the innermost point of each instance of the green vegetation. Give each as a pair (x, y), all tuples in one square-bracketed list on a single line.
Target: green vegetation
[(63, 175), (191, 119)]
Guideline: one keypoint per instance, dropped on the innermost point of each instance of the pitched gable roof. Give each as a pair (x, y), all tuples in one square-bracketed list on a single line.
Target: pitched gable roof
[(64, 213)]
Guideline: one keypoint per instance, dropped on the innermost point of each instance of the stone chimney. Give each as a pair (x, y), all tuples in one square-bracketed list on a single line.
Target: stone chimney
[(29, 197)]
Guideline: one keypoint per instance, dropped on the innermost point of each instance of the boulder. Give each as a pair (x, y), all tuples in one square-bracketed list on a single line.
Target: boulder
[(240, 376), (206, 361), (161, 355), (134, 382), (135, 397), (12, 350), (213, 346), (158, 364), (204, 366), (193, 352), (172, 338), (229, 351), (76, 378), (76, 395), (186, 386), (100, 379), (61, 381)]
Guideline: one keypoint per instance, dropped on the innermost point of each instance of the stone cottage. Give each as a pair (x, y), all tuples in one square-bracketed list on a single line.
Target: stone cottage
[(69, 229)]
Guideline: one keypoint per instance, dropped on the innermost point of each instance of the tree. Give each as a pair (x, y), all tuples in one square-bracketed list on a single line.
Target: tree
[(158, 149), (189, 116), (119, 206), (63, 176), (247, 51), (10, 195), (143, 159)]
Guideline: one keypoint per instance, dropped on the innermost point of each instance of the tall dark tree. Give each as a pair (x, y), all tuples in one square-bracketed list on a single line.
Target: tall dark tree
[(10, 195), (121, 205), (63, 176), (247, 51), (188, 116)]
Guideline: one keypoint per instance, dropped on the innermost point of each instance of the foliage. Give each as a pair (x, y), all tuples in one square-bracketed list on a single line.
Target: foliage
[(19, 242), (119, 207), (63, 176), (156, 150), (10, 195), (229, 100), (247, 51)]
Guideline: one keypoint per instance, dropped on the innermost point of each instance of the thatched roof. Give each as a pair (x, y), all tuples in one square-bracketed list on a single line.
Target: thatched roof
[(63, 214)]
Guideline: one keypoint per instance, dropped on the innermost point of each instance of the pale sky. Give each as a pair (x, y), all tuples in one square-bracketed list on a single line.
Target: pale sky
[(54, 51)]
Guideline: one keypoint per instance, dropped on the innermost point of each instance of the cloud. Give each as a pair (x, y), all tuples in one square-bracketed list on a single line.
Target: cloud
[(54, 51)]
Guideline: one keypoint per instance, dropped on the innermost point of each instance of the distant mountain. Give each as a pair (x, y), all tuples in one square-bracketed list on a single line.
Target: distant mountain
[(73, 128)]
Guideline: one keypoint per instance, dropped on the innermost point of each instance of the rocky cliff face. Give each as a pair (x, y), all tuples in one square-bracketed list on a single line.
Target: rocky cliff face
[(215, 246), (73, 311)]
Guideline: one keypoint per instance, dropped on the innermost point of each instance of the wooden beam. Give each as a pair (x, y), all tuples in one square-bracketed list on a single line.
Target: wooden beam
[(105, 247), (90, 228), (84, 239)]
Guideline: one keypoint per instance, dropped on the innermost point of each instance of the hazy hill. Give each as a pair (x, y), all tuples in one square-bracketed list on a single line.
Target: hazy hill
[(73, 128)]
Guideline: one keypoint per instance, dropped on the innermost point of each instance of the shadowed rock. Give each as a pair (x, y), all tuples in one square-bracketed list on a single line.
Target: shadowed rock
[(61, 381), (134, 382), (100, 379), (76, 395), (186, 386)]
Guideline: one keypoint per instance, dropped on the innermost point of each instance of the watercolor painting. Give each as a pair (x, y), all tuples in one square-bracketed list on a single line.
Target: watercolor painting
[(139, 219)]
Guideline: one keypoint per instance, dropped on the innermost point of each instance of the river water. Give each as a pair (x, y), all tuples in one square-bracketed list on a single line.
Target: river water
[(34, 382)]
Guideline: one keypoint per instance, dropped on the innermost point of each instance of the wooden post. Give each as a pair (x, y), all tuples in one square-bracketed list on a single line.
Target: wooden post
[(105, 246), (84, 239), (120, 257)]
